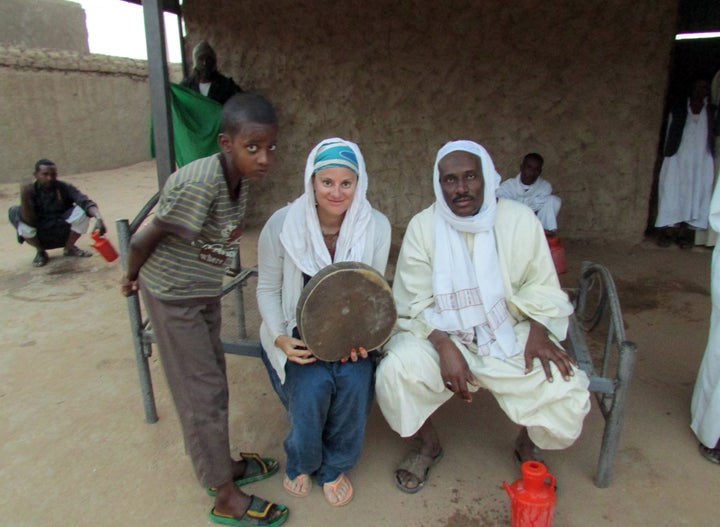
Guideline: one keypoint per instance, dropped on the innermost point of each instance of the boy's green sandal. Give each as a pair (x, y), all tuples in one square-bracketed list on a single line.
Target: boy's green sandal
[(261, 513), (256, 468)]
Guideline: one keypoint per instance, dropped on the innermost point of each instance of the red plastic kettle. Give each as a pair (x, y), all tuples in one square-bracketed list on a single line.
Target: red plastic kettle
[(103, 246), (532, 497)]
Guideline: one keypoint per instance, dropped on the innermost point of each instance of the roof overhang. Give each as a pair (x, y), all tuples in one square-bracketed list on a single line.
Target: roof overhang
[(169, 6)]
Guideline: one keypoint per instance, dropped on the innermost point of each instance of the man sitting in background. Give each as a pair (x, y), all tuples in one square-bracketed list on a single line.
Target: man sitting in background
[(534, 191)]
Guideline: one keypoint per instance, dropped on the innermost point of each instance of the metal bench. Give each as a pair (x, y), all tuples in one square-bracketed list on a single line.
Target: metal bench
[(142, 334), (595, 301), (597, 309)]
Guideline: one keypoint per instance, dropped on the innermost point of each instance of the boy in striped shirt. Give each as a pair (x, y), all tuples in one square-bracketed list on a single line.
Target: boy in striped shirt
[(178, 260)]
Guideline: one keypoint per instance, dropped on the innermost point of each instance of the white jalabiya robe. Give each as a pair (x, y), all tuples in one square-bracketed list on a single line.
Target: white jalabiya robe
[(538, 197), (705, 405), (409, 386), (686, 178)]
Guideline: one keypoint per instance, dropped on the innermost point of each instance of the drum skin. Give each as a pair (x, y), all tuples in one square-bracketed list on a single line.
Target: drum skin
[(346, 305)]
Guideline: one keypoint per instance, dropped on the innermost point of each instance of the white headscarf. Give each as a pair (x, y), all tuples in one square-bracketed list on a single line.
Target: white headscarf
[(469, 294), (301, 235)]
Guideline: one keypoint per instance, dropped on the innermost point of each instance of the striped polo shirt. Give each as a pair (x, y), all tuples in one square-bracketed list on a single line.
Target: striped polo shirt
[(205, 226)]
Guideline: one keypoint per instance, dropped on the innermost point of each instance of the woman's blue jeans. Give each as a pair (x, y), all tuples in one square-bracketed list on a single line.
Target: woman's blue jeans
[(328, 404)]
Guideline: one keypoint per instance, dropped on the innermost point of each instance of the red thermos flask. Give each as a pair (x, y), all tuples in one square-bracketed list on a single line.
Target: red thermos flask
[(557, 251), (103, 246), (532, 497)]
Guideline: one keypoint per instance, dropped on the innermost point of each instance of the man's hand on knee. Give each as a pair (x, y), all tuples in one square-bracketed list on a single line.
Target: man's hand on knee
[(454, 369), (541, 347)]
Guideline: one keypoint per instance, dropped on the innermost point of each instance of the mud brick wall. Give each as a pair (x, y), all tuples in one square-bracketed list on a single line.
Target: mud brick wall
[(85, 112), (580, 82), (56, 24)]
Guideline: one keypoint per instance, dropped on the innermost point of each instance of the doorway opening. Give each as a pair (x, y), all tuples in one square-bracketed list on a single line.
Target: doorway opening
[(690, 59)]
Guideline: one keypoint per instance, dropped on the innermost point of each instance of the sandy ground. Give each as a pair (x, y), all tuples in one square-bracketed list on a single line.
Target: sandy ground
[(76, 449)]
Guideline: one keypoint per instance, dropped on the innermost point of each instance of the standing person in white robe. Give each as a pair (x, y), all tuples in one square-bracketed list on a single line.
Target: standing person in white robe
[(709, 237), (530, 188), (705, 405), (687, 173), (479, 306)]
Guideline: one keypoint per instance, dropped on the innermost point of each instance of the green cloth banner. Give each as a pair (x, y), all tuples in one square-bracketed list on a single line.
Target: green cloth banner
[(196, 124)]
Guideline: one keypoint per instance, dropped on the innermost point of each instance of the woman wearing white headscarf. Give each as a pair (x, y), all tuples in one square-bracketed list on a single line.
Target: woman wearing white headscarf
[(327, 402)]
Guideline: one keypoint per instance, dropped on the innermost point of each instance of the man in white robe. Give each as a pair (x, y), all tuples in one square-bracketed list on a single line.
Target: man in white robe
[(530, 188), (479, 306), (686, 176), (705, 405)]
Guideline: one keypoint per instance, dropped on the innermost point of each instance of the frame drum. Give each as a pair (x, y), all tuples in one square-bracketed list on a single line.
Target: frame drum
[(345, 305)]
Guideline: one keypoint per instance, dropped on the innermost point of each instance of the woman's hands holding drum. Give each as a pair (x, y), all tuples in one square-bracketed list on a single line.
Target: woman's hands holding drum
[(295, 349), (355, 354)]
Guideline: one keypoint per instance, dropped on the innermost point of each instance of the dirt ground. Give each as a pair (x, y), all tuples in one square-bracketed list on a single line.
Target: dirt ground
[(76, 450)]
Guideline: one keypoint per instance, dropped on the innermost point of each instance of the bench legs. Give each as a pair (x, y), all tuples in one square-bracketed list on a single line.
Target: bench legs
[(609, 383), (614, 417)]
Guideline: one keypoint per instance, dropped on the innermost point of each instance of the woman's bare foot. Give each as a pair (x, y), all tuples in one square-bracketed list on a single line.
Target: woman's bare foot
[(338, 492), (298, 487)]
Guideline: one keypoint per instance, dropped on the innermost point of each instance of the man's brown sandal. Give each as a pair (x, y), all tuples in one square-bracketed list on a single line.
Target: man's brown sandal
[(418, 465)]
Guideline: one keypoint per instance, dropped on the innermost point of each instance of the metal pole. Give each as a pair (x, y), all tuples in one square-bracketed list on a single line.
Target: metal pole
[(136, 327), (159, 89), (239, 299)]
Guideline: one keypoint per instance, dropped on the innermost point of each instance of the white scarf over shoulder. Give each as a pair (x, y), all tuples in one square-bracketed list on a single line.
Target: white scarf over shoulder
[(302, 238), (468, 291)]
